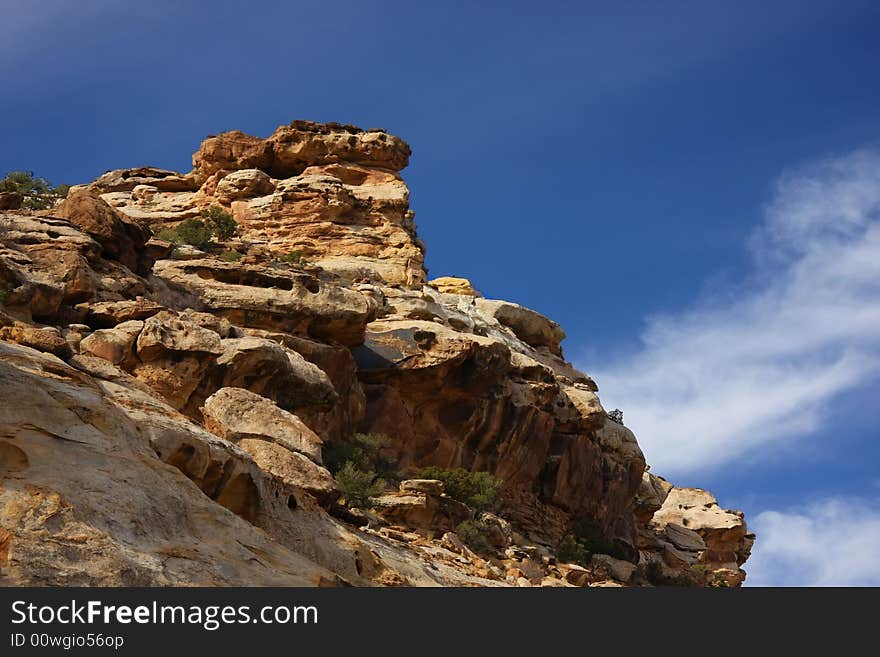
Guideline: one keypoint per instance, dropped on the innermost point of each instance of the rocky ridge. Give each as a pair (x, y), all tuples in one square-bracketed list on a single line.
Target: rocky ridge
[(173, 405)]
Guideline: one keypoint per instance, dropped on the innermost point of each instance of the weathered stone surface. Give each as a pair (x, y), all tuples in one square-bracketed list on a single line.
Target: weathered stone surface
[(88, 503), (292, 468), (121, 239), (530, 327), (426, 486), (165, 332), (46, 339), (236, 414), (246, 183), (294, 147), (10, 200), (319, 306), (273, 299), (125, 180), (115, 345), (454, 285)]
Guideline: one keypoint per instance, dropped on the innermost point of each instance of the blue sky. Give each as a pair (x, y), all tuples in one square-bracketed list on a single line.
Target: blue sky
[(667, 180)]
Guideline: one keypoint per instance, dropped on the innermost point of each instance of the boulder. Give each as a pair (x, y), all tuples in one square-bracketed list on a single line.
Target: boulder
[(271, 299), (115, 345), (237, 414), (529, 326), (454, 285), (121, 238), (292, 468), (245, 183)]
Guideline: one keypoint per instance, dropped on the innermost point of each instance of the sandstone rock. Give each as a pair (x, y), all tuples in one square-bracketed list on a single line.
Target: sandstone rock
[(266, 298), (165, 332), (123, 180), (107, 314), (121, 239), (10, 200), (608, 566), (292, 468), (237, 414), (87, 502), (115, 345), (683, 538), (46, 339), (454, 285), (426, 486), (651, 495), (530, 327), (246, 183), (270, 370)]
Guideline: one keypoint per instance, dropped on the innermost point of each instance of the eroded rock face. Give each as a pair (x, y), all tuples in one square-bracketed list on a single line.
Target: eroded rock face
[(190, 393), (273, 299)]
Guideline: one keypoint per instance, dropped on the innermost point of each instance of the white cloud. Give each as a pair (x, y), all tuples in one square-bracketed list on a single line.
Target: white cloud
[(763, 365), (833, 542)]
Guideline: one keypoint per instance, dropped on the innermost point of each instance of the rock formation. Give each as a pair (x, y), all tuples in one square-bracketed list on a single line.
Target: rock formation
[(168, 408)]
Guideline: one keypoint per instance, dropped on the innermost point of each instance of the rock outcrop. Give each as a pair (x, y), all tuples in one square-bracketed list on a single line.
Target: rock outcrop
[(175, 404)]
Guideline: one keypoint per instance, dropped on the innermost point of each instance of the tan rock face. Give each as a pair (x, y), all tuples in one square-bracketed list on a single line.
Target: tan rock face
[(453, 399), (695, 539), (294, 147), (184, 434), (266, 298), (236, 414)]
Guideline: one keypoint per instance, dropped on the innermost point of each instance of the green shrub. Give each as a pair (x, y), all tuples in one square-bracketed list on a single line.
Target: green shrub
[(38, 193), (5, 289), (474, 534), (583, 541), (616, 415), (365, 452), (169, 235), (358, 486), (478, 490), (220, 222), (194, 232), (571, 550), (230, 256), (293, 258)]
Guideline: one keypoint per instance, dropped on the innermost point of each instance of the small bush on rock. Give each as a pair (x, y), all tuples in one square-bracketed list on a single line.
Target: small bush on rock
[(364, 452), (478, 490), (358, 486), (475, 534), (293, 258), (194, 232), (571, 550), (616, 415), (220, 222), (38, 193), (230, 256)]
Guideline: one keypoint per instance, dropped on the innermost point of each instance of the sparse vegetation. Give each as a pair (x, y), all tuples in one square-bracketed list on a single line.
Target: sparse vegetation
[(474, 534), (293, 258), (230, 256), (215, 223), (479, 490), (358, 486), (571, 550), (365, 452), (221, 223), (38, 193), (5, 289), (194, 232), (583, 541), (616, 415), (361, 468)]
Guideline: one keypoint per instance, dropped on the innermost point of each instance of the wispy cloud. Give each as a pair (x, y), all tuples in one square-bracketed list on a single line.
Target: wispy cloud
[(762, 365), (832, 542)]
